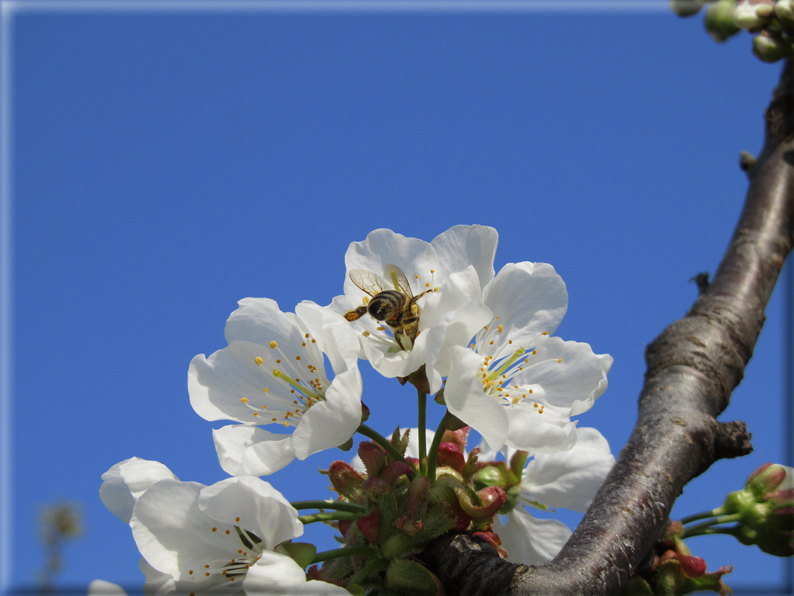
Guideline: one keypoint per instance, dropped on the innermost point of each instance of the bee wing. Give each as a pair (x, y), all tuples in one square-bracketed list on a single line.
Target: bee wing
[(369, 282), (398, 280)]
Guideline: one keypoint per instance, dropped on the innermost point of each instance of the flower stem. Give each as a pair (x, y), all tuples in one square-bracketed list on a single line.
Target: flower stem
[(321, 517), (705, 527), (433, 458), (339, 505), (367, 570), (371, 434), (347, 551), (702, 515), (422, 424)]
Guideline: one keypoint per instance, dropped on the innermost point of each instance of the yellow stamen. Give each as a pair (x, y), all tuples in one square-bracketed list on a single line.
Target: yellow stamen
[(258, 360), (274, 344)]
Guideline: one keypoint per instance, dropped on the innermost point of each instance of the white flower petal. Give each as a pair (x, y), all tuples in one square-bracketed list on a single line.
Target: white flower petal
[(255, 505), (383, 247), (529, 540), (455, 329), (569, 374), (570, 479), (461, 246), (337, 339), (275, 574), (331, 422), (252, 451), (260, 321), (528, 298), (538, 433), (100, 587), (465, 398), (128, 480), (173, 534)]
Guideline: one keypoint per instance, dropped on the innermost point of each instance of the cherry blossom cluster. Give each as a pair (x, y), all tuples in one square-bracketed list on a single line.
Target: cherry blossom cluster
[(770, 21), (482, 342)]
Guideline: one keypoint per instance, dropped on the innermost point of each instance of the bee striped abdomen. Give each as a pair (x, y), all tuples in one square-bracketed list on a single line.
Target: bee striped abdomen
[(387, 305)]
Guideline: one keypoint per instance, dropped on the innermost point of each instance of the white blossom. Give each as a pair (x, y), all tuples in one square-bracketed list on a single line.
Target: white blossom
[(569, 480), (516, 384), (209, 539), (452, 269), (272, 372)]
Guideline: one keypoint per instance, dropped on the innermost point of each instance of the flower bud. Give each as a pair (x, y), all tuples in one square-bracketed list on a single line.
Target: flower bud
[(719, 20), (771, 46), (346, 481), (766, 510), (686, 8), (767, 478), (493, 475), (372, 456), (450, 455), (753, 15)]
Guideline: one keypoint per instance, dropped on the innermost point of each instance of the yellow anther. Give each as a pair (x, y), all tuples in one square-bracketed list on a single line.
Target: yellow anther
[(545, 333), (515, 400), (534, 352), (365, 333), (265, 389), (499, 328), (263, 407), (509, 341), (307, 337), (432, 271), (258, 360), (559, 359), (532, 391), (365, 300), (274, 344), (303, 344), (243, 400), (427, 284), (256, 413), (297, 357)]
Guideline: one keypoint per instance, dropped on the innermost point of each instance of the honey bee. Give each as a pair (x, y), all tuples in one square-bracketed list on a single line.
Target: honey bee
[(392, 302)]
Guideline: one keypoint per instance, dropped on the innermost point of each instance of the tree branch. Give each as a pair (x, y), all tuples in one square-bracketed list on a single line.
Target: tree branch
[(693, 367)]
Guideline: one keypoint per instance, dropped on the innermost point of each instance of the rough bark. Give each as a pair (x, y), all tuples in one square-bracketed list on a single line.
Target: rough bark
[(693, 366)]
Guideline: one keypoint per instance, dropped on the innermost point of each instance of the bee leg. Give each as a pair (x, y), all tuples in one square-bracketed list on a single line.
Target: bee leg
[(355, 315)]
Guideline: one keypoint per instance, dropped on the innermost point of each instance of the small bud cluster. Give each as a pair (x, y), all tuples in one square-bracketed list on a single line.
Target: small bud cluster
[(764, 510), (673, 569), (403, 510), (771, 22)]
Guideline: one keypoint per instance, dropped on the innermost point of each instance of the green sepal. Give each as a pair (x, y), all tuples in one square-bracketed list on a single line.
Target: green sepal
[(300, 552), (387, 508), (404, 576), (637, 586), (671, 581), (356, 590)]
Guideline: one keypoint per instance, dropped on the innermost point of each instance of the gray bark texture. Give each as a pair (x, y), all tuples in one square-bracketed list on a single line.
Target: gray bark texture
[(693, 366)]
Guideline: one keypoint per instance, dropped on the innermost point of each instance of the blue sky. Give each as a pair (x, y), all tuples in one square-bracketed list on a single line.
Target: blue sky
[(169, 163)]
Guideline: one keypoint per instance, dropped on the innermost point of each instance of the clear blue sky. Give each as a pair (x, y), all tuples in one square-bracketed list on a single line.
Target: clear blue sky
[(168, 164)]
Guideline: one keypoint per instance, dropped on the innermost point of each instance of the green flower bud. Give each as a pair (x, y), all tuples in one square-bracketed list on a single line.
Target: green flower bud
[(753, 15), (770, 46), (719, 20), (784, 11), (686, 8), (490, 476)]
